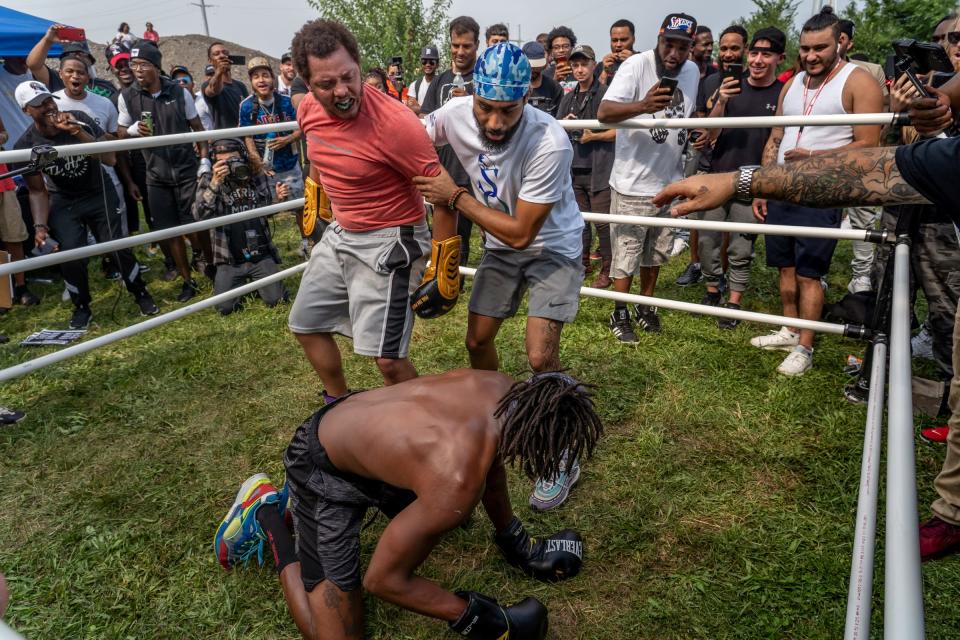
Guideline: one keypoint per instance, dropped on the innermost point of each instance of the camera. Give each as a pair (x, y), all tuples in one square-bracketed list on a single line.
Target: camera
[(239, 169)]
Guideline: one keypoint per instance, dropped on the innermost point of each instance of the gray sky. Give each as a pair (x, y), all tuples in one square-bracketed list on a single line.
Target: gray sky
[(269, 25)]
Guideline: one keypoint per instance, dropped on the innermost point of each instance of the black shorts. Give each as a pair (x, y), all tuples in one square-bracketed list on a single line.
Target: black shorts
[(171, 205), (810, 256), (329, 508)]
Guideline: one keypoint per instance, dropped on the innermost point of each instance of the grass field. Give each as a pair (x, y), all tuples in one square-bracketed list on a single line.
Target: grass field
[(719, 505)]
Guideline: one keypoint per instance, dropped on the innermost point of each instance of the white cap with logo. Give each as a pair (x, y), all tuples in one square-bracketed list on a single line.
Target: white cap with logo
[(32, 94)]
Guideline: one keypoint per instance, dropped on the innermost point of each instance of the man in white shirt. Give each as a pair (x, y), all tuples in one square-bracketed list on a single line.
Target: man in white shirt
[(518, 160), (429, 60), (660, 83), (287, 74)]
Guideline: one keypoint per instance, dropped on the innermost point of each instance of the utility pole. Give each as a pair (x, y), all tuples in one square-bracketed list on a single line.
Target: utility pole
[(203, 9)]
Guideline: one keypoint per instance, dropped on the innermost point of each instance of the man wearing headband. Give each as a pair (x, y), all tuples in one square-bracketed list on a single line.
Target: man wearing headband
[(359, 452), (518, 159)]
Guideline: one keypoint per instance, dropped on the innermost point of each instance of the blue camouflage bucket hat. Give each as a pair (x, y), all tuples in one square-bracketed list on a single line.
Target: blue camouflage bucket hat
[(502, 73)]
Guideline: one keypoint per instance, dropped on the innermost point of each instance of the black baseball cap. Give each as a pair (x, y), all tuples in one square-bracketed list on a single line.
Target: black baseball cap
[(179, 69), (777, 39), (286, 57), (430, 52), (681, 26), (76, 50)]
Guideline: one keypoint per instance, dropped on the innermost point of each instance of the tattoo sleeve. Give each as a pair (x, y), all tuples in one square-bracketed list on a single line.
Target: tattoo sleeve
[(862, 176), (772, 148)]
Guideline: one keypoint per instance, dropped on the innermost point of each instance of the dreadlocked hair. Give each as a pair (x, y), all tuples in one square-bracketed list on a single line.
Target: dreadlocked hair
[(544, 416)]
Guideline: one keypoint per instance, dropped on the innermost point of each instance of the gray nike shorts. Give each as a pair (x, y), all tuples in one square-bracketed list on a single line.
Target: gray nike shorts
[(503, 275)]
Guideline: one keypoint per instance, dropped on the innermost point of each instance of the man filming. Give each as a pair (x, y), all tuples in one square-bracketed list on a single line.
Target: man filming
[(242, 251)]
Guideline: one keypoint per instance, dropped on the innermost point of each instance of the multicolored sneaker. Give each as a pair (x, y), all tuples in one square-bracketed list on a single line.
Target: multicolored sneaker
[(240, 535), (283, 504), (552, 492)]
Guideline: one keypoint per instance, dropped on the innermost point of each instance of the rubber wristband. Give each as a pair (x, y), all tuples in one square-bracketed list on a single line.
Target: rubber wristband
[(452, 202), (134, 130)]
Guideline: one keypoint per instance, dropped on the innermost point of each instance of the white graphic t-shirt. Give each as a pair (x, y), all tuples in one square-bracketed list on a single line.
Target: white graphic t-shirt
[(97, 107), (534, 167), (647, 160)]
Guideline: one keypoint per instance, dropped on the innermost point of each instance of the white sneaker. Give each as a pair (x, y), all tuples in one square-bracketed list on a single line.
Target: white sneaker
[(860, 284), (783, 340), (679, 246), (921, 345), (797, 363)]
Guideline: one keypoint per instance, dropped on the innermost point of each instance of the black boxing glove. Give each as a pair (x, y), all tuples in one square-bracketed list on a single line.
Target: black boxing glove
[(547, 559), (484, 619)]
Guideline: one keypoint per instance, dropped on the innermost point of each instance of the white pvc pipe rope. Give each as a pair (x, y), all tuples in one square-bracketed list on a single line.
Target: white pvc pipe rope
[(703, 309), (736, 227), (23, 155), (149, 142), (30, 366), (59, 257), (749, 122)]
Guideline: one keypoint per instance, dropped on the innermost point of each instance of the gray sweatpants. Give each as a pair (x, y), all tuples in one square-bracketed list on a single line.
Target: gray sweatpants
[(231, 276), (739, 252), (862, 218)]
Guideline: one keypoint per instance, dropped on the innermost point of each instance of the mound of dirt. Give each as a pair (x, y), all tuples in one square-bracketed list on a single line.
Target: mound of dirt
[(191, 52)]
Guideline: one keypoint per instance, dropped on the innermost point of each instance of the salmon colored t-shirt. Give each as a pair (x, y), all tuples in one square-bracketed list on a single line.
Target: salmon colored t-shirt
[(366, 164)]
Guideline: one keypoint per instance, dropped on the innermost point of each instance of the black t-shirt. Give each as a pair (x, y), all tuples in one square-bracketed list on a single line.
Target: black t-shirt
[(225, 106), (298, 87), (547, 96), (932, 167), (68, 176), (738, 147), (437, 96)]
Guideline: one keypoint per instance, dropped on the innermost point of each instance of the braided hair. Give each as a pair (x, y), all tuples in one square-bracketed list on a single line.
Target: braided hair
[(544, 416)]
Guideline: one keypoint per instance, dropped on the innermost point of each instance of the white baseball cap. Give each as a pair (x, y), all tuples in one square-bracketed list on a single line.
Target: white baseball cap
[(32, 93)]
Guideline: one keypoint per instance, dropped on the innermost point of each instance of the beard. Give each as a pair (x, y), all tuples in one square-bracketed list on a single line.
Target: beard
[(662, 70), (495, 146)]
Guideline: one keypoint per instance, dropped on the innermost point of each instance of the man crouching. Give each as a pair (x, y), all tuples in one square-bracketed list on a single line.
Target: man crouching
[(242, 251), (424, 452)]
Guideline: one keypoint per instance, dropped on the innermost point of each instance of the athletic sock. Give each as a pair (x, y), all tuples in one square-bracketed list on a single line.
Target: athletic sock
[(281, 541)]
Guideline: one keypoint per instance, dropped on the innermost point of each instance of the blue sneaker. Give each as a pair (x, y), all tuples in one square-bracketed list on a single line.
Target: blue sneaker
[(552, 492), (283, 504), (240, 536)]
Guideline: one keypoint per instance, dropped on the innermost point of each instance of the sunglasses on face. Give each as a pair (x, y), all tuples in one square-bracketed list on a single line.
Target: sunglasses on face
[(428, 62), (184, 80), (953, 38)]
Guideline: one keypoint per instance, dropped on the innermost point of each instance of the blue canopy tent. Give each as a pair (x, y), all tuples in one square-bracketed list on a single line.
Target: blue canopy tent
[(20, 31)]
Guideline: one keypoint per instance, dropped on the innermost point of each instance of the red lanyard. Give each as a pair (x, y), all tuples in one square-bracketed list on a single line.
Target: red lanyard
[(808, 109)]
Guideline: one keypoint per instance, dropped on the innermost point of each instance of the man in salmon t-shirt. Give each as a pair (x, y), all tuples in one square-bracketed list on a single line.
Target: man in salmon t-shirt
[(364, 148)]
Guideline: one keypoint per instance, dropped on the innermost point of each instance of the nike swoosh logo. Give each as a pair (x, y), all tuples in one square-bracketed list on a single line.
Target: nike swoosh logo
[(557, 304)]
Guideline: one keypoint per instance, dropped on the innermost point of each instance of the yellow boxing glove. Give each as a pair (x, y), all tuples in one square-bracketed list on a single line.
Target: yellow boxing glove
[(440, 287)]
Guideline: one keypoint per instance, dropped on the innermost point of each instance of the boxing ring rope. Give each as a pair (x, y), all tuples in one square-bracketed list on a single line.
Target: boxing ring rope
[(65, 354), (903, 599)]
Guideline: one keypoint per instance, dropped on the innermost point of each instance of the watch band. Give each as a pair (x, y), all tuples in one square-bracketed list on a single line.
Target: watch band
[(744, 189)]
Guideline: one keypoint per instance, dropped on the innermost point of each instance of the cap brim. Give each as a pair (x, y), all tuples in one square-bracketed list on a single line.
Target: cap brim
[(582, 55), (538, 64), (120, 56), (677, 36), (36, 101)]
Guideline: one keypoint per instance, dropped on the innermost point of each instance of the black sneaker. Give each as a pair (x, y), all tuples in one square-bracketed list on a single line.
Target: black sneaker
[(647, 318), (621, 326), (81, 318), (690, 275), (112, 275), (22, 295), (10, 416), (188, 290), (712, 298), (728, 323), (147, 306), (169, 275), (144, 268)]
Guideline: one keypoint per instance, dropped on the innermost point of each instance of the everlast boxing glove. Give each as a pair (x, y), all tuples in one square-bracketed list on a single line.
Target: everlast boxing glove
[(484, 619), (547, 559), (316, 208), (440, 287)]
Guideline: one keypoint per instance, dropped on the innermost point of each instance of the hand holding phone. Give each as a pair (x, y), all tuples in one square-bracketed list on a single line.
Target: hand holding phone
[(71, 34), (659, 96)]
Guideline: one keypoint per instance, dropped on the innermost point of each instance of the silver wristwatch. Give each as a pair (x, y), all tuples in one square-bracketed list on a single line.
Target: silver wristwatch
[(744, 189)]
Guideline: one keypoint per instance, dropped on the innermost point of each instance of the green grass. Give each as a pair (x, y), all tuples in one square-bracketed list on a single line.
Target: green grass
[(719, 505)]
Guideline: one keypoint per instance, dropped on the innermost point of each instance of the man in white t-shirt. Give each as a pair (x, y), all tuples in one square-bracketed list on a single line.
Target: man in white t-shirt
[(429, 60), (660, 83), (518, 161)]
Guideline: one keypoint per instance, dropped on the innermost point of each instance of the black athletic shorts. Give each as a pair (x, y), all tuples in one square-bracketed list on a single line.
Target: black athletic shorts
[(329, 508), (172, 205), (810, 256)]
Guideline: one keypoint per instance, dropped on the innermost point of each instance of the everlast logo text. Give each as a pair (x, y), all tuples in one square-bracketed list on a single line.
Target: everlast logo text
[(570, 546)]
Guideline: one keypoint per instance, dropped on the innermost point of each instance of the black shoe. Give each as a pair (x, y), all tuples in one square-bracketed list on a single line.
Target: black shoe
[(712, 298), (144, 268), (22, 295), (621, 326), (647, 318), (169, 275), (690, 275), (4, 339), (147, 306), (188, 290), (210, 270), (111, 275), (728, 323), (10, 416), (81, 318)]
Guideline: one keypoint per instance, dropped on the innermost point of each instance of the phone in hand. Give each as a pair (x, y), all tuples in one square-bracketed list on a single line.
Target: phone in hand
[(49, 246), (733, 71), (71, 34), (238, 61), (561, 60), (669, 83)]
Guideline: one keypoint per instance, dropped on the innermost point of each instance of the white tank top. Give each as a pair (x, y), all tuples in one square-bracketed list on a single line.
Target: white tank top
[(829, 101)]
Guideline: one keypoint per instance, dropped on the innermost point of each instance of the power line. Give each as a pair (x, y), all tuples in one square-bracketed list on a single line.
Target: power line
[(203, 10)]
